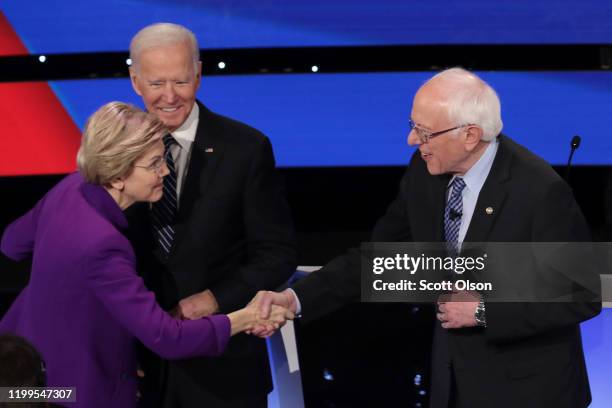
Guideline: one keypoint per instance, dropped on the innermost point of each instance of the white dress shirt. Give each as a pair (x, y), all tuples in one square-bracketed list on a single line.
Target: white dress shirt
[(181, 152), (474, 179)]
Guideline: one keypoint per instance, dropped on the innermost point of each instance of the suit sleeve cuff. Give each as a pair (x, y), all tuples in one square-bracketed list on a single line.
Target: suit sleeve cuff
[(223, 330)]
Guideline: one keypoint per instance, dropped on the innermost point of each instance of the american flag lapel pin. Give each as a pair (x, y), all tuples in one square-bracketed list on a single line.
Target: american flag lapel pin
[(209, 150)]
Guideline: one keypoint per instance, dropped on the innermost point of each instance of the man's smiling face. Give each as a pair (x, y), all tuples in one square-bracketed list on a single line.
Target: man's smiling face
[(167, 79)]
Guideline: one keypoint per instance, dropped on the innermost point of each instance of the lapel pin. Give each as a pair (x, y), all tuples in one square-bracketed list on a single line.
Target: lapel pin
[(489, 210), (209, 150)]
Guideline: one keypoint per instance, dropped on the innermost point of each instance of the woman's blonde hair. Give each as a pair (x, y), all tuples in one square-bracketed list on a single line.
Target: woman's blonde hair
[(115, 136)]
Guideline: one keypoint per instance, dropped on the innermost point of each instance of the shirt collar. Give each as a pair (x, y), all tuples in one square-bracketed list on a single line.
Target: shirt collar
[(185, 134), (475, 177)]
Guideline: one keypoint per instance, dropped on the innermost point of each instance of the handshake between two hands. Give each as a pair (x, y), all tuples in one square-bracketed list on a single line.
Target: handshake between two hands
[(266, 312)]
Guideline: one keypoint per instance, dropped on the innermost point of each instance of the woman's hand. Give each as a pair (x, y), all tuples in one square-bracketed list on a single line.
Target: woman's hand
[(249, 318)]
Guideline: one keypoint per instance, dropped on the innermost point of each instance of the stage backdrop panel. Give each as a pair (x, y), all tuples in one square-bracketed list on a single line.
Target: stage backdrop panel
[(85, 26)]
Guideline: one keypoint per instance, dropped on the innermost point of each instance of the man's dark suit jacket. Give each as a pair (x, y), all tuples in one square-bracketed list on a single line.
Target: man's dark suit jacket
[(529, 355), (234, 236)]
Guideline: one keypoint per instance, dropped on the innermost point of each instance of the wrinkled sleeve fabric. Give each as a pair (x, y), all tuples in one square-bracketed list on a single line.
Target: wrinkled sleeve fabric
[(19, 237), (339, 281), (110, 274)]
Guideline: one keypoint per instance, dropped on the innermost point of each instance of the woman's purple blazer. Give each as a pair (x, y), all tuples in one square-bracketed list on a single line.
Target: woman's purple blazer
[(84, 306)]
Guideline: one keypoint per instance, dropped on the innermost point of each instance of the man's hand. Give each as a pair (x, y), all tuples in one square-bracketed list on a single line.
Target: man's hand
[(197, 306), (456, 310), (264, 300), (248, 319)]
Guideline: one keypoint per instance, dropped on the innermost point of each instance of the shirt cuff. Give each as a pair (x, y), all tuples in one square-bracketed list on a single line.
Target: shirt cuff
[(298, 305)]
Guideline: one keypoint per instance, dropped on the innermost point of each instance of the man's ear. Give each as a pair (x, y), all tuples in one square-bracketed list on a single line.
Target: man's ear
[(135, 84), (198, 74), (473, 136)]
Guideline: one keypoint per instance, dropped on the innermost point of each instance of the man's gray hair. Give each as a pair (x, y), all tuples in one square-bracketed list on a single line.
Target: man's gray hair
[(163, 34), (470, 101)]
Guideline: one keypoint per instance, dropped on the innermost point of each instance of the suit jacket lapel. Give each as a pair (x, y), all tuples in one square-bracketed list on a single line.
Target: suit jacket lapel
[(438, 198), (206, 154), (491, 197)]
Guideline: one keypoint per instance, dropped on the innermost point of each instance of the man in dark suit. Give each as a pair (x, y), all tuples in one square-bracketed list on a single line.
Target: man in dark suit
[(469, 183), (221, 232)]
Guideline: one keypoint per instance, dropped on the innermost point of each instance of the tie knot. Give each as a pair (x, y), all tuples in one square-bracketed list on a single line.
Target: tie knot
[(457, 185), (169, 141)]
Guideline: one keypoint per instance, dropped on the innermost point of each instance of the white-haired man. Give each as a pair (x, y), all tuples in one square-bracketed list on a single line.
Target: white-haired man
[(221, 232), (469, 183)]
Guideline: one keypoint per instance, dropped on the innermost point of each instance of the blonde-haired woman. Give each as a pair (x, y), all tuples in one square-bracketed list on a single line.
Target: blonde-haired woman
[(84, 305)]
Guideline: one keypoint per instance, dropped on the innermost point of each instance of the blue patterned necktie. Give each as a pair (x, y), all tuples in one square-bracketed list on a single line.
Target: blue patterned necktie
[(453, 213), (164, 211)]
